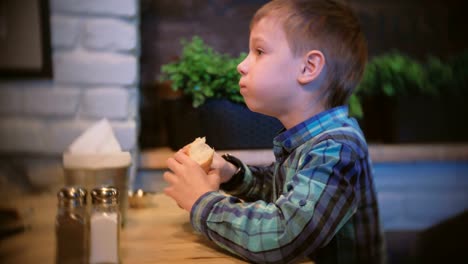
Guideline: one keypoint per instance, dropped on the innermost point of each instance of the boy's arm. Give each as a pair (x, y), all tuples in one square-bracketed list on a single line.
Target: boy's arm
[(255, 183), (249, 183), (321, 197)]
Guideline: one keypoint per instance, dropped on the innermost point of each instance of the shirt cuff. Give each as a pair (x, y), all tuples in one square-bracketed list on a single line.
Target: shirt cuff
[(244, 186), (202, 209), (233, 183)]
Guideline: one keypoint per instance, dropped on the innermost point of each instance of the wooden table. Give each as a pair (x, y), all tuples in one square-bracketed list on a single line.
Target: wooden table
[(163, 234), (158, 234)]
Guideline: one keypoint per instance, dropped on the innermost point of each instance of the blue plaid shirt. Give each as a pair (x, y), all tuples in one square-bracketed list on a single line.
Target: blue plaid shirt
[(317, 199)]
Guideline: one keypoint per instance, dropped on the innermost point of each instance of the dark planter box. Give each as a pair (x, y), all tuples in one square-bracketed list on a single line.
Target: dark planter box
[(415, 119), (378, 123), (432, 119), (409, 119), (225, 125)]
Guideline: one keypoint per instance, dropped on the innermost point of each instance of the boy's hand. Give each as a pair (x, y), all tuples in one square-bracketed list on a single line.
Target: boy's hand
[(224, 169), (188, 181)]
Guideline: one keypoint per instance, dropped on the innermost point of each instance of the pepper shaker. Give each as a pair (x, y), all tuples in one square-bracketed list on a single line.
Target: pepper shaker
[(71, 226)]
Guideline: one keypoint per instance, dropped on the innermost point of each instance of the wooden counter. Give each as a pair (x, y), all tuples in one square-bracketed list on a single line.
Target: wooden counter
[(160, 233)]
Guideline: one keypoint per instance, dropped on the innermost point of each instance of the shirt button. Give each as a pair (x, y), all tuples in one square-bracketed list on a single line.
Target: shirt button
[(302, 202)]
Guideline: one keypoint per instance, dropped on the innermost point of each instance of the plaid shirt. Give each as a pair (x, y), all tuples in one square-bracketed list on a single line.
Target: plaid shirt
[(316, 200)]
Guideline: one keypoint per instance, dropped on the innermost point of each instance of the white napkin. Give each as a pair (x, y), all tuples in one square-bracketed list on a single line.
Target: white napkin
[(96, 148), (99, 138)]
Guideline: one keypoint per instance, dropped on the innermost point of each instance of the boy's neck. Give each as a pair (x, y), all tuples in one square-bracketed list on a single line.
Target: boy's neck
[(301, 113)]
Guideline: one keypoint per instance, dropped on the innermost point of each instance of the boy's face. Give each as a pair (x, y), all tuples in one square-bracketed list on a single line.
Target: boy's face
[(269, 73)]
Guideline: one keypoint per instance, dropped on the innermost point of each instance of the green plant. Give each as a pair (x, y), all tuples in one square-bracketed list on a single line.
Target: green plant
[(203, 73), (355, 107), (439, 74), (394, 74), (459, 67)]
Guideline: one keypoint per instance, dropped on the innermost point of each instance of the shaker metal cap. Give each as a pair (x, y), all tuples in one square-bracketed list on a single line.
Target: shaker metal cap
[(72, 196), (105, 195)]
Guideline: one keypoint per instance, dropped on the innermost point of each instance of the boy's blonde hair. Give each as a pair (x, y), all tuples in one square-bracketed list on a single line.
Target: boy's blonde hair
[(330, 27)]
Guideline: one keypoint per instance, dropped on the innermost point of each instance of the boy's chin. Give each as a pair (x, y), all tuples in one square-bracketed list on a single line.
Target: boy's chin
[(250, 105), (257, 109)]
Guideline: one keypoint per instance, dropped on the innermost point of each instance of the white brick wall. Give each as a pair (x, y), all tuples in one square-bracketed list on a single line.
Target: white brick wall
[(127, 8), (22, 135), (61, 133), (106, 102), (83, 67), (95, 67), (11, 100), (65, 31), (126, 134), (56, 101), (110, 34)]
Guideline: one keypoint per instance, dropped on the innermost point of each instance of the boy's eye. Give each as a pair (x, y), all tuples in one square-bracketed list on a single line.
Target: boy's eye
[(259, 52)]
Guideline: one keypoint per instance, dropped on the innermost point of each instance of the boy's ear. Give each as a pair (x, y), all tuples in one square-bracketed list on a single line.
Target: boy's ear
[(312, 66)]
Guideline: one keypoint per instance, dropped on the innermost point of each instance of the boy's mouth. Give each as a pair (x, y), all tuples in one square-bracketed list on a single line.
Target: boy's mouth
[(242, 85), (243, 88)]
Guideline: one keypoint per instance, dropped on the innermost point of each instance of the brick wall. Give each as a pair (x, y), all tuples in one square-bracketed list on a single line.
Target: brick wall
[(95, 49)]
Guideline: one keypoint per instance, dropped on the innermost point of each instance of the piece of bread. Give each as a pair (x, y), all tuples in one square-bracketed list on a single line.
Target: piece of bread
[(200, 152)]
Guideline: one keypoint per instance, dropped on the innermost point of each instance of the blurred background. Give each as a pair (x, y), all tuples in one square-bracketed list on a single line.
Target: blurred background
[(65, 64), (418, 30)]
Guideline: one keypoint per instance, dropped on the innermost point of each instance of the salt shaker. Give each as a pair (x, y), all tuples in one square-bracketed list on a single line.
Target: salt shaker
[(104, 226), (71, 226)]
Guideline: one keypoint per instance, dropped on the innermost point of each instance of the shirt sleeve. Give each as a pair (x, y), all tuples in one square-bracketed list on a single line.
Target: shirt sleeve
[(320, 198), (255, 185)]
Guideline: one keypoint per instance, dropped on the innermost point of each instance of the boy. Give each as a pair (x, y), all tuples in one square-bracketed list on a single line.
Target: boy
[(318, 199)]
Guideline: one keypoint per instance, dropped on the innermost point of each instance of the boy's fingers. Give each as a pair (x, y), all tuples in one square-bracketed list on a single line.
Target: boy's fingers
[(182, 158), (169, 191), (173, 165), (214, 171), (184, 149), (169, 177)]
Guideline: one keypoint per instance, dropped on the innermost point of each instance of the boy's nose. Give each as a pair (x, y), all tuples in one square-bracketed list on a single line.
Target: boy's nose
[(242, 67)]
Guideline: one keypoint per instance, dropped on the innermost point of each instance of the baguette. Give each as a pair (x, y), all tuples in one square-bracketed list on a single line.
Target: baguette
[(200, 152)]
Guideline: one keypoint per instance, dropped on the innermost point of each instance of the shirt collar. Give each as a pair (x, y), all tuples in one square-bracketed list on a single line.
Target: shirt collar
[(290, 139)]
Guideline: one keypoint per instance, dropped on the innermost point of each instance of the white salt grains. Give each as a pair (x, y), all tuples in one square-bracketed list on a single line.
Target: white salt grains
[(104, 238)]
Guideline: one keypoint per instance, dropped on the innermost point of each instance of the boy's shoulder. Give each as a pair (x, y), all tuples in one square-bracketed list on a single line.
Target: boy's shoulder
[(347, 135), (350, 137), (332, 130)]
